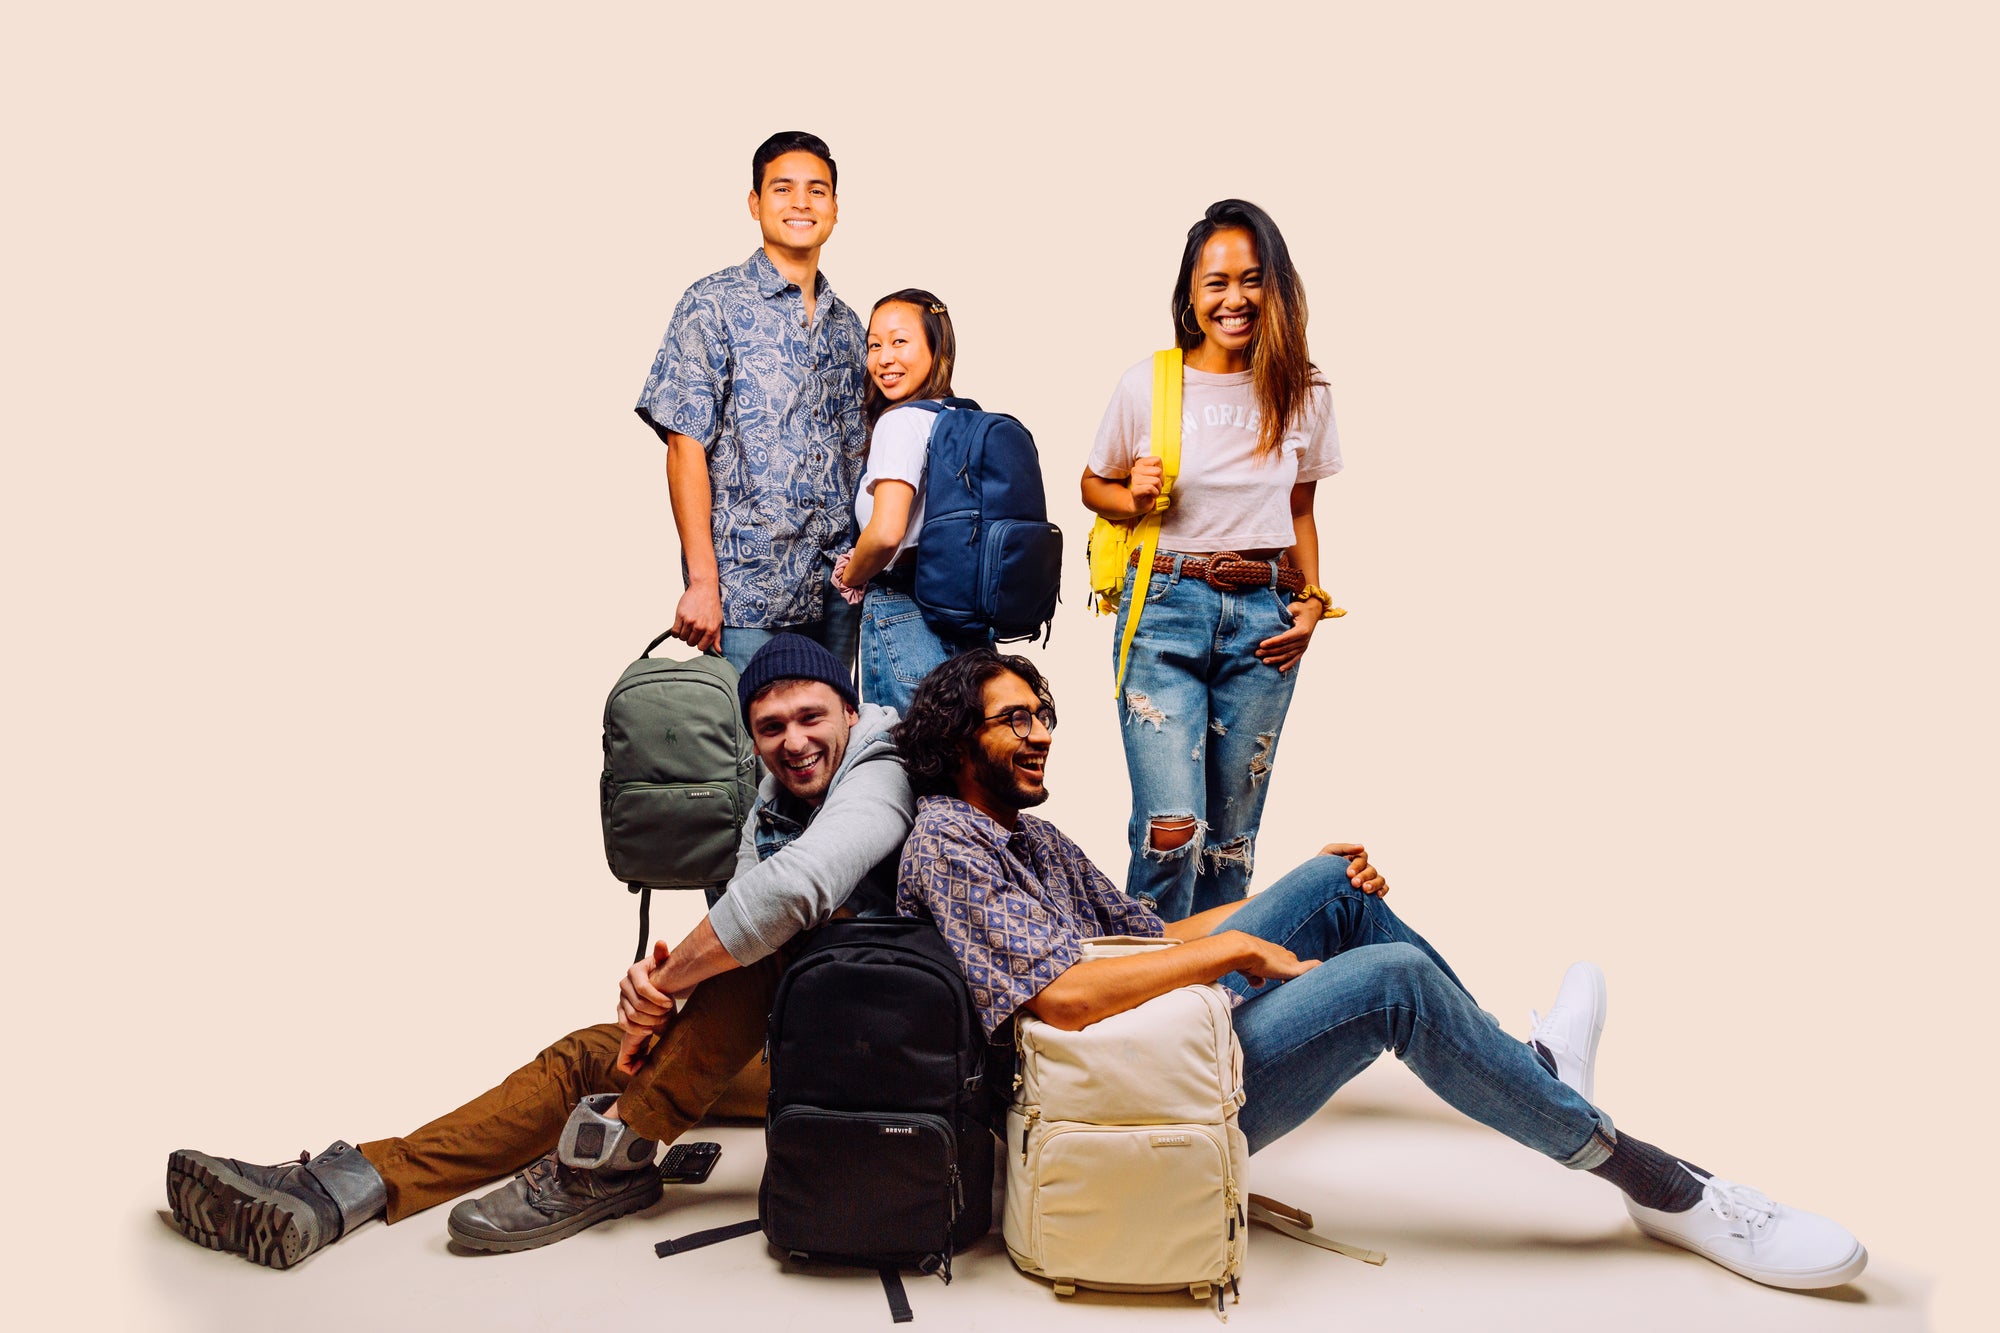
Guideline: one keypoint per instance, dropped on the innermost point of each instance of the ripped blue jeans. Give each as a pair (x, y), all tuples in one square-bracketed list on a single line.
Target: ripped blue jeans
[(1200, 718)]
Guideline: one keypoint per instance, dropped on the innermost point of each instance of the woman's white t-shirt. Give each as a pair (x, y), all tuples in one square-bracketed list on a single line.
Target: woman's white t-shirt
[(1224, 497), (896, 452)]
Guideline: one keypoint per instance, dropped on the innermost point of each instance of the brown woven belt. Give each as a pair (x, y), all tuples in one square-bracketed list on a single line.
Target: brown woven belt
[(1227, 571)]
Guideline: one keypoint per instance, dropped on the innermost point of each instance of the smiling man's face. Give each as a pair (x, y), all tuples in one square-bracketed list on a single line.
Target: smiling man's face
[(1003, 772), (794, 205), (800, 729)]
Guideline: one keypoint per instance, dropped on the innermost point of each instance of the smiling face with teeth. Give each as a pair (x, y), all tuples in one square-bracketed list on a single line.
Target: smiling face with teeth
[(800, 729), (899, 355), (795, 206), (1001, 773), (1228, 299)]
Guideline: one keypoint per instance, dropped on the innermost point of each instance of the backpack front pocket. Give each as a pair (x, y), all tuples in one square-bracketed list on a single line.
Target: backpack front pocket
[(1133, 1207), (873, 1184), (679, 835), (1020, 573)]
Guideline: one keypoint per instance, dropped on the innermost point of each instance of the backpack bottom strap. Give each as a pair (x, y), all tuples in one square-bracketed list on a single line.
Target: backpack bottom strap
[(1297, 1223), (899, 1300), (696, 1240)]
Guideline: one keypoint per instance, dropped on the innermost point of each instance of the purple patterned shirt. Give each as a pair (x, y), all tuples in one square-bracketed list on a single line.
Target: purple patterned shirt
[(1014, 907)]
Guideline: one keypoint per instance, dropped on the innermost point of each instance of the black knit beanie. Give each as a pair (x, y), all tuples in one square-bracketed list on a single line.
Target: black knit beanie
[(793, 657)]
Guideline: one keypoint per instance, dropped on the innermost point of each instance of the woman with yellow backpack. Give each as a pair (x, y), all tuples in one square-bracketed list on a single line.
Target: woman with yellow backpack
[(1203, 475)]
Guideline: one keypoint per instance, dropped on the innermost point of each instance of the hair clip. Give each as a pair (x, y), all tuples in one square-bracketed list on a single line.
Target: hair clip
[(937, 308)]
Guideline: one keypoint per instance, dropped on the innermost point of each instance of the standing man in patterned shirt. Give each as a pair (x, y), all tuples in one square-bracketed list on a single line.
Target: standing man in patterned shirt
[(1325, 977), (757, 391)]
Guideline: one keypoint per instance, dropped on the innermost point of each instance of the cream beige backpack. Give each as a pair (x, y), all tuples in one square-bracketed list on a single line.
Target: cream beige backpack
[(1125, 1166)]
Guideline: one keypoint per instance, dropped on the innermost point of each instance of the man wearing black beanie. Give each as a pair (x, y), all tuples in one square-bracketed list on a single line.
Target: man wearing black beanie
[(587, 1115)]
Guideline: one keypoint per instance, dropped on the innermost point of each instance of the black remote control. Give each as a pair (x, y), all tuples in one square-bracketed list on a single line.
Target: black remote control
[(689, 1163)]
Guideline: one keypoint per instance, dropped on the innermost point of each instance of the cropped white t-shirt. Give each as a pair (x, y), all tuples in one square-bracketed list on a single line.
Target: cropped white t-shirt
[(1224, 497), (896, 452)]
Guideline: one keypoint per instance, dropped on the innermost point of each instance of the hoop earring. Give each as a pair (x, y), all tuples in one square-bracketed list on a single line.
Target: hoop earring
[(1185, 312)]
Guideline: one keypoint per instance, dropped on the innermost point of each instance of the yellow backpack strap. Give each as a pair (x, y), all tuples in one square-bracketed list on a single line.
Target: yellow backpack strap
[(1167, 420), (1166, 444)]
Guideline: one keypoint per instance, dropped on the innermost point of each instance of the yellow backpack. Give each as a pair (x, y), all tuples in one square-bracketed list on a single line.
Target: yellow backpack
[(1111, 543)]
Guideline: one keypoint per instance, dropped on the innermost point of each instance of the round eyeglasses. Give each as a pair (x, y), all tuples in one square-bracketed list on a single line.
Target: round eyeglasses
[(1023, 720)]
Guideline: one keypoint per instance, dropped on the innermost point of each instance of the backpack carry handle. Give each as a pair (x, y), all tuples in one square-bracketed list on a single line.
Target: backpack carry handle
[(668, 633)]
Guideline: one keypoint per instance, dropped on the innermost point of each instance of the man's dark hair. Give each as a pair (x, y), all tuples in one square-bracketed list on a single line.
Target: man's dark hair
[(791, 141), (947, 711)]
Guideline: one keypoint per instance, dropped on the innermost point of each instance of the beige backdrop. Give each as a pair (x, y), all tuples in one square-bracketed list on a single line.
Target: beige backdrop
[(1662, 345)]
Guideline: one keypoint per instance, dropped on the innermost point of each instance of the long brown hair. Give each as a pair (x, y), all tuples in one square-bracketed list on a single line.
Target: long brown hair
[(937, 334), (1281, 372)]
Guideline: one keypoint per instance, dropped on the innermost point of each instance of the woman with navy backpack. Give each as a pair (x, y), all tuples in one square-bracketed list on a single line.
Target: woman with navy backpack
[(910, 352), (1219, 509)]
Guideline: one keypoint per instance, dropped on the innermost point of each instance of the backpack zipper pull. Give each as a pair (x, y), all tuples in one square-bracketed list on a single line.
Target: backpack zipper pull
[(1028, 1123)]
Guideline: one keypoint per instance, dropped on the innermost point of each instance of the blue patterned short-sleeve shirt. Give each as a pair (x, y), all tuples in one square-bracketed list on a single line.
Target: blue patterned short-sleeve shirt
[(777, 405), (1015, 906)]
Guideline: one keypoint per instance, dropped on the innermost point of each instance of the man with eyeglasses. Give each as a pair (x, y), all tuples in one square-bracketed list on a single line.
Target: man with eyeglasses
[(1325, 978)]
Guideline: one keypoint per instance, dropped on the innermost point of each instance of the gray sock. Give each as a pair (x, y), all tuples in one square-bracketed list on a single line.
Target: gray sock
[(1653, 1178)]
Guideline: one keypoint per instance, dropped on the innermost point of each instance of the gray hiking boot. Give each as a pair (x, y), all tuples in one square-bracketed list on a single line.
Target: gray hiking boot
[(273, 1215), (600, 1169)]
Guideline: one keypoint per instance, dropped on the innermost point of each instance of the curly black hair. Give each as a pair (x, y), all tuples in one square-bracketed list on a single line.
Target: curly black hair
[(946, 712)]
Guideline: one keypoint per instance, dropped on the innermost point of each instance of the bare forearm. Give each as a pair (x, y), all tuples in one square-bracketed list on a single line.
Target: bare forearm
[(1101, 987), (877, 544), (1304, 550), (693, 961), (871, 557), (688, 488), (1113, 499)]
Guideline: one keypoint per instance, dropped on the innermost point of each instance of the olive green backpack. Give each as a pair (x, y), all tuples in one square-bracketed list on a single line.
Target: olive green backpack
[(679, 777)]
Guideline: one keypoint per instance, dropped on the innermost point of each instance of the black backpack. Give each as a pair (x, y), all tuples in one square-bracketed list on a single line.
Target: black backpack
[(876, 1149), (679, 778), (989, 562)]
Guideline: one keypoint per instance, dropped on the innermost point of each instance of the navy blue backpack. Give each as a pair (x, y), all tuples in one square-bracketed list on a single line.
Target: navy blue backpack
[(989, 562)]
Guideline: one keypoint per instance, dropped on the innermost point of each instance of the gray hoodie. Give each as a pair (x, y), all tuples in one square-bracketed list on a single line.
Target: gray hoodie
[(797, 864)]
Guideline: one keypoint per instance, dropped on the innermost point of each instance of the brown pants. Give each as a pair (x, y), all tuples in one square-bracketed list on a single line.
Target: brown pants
[(707, 1043)]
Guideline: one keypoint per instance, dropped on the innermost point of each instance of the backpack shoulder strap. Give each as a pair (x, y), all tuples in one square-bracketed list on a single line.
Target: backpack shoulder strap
[(936, 405), (1166, 443), (1166, 435)]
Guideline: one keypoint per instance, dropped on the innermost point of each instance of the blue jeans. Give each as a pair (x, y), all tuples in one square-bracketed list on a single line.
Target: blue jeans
[(836, 632), (1201, 722), (1380, 987), (897, 648)]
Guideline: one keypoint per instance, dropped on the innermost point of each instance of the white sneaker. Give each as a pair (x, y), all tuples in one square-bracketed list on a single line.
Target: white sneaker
[(1746, 1232), (1575, 1022)]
